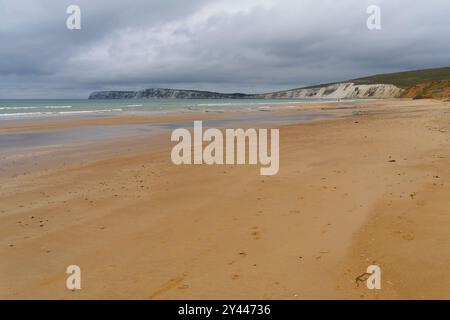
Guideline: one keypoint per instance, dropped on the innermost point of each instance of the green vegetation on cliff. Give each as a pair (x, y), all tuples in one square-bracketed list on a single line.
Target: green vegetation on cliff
[(403, 80), (406, 79)]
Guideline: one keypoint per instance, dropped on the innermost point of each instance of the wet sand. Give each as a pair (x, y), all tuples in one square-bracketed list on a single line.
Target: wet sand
[(367, 187)]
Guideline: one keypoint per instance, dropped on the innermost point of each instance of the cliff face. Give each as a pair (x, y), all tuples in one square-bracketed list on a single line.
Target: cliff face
[(112, 95), (340, 91), (439, 89), (164, 94), (334, 91)]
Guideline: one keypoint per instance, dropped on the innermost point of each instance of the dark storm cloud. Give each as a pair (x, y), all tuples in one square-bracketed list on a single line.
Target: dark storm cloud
[(225, 45)]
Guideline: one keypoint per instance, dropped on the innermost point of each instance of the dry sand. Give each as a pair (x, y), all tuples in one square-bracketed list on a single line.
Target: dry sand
[(372, 188)]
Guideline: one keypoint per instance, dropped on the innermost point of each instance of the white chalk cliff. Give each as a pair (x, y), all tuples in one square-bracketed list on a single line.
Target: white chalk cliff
[(346, 90)]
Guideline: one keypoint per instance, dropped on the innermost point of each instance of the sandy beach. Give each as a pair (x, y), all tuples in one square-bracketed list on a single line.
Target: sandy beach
[(367, 183)]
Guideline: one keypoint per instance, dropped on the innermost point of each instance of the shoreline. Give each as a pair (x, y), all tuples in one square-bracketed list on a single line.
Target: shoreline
[(140, 227), (28, 144)]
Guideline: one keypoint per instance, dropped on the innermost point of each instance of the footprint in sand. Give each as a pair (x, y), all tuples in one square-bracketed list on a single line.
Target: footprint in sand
[(183, 287), (326, 228), (255, 233), (409, 236)]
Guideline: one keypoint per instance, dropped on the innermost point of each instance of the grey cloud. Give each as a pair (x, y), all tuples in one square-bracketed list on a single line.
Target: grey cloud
[(231, 45)]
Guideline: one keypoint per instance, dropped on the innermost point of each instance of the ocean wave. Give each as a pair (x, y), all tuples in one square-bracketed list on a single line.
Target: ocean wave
[(57, 107), (90, 111), (17, 108), (31, 114), (35, 107), (214, 104)]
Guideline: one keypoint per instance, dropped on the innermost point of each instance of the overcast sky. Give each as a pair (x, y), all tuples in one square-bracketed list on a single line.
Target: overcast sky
[(221, 45)]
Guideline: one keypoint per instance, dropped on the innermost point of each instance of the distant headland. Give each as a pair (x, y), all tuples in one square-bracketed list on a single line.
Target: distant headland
[(426, 83)]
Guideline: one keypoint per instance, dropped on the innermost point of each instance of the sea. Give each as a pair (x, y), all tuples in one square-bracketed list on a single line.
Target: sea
[(18, 109)]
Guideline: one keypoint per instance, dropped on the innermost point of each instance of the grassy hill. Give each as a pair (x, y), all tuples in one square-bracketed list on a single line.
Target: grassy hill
[(407, 79), (402, 80)]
